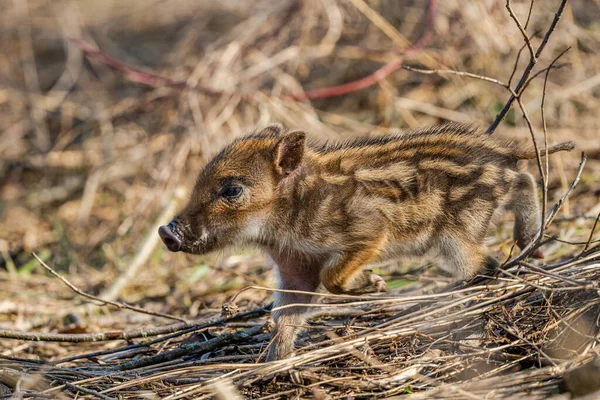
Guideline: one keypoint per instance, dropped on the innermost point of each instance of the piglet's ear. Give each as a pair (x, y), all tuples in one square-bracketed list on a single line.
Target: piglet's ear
[(273, 129), (289, 151)]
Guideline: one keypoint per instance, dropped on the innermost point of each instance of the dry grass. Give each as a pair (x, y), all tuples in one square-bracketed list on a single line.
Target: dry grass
[(96, 149)]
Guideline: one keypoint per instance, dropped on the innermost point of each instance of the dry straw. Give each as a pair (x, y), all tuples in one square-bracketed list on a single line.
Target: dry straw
[(314, 64)]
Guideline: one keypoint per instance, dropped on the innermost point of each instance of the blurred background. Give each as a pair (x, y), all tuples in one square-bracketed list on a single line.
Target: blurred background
[(108, 110)]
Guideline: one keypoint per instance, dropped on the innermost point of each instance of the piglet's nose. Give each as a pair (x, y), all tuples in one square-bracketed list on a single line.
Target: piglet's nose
[(170, 239)]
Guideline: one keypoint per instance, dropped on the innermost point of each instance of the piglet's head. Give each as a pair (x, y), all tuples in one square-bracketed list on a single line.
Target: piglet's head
[(236, 192)]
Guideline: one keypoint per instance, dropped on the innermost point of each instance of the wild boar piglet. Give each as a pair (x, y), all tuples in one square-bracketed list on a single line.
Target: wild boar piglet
[(323, 211)]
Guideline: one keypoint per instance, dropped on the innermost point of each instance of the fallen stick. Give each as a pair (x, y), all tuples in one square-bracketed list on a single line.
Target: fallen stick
[(193, 348), (126, 335)]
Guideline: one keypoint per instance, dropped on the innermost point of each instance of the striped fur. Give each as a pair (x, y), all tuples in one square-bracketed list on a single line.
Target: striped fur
[(324, 210)]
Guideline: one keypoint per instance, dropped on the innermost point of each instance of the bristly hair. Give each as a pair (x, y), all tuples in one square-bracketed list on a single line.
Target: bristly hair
[(458, 129)]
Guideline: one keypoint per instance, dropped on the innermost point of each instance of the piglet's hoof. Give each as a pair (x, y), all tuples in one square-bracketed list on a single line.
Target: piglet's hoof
[(368, 282), (378, 283)]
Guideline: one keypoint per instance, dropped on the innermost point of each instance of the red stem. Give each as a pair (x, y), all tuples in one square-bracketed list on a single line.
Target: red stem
[(136, 74), (133, 73), (376, 76)]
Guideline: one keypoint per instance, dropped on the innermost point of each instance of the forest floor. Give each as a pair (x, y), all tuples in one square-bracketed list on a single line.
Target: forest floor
[(108, 110)]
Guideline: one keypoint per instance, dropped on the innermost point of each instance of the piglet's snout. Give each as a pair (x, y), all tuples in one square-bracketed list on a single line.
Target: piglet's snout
[(170, 238)]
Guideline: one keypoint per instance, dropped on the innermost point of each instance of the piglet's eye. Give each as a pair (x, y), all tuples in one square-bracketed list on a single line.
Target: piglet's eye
[(231, 192)]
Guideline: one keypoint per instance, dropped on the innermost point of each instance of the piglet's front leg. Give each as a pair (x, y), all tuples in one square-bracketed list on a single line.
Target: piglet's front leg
[(295, 273), (345, 274)]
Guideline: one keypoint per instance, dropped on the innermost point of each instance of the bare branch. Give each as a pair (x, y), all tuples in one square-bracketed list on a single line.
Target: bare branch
[(522, 30), (558, 205), (552, 65), (94, 393), (528, 69), (590, 241), (103, 301), (227, 338), (529, 14), (546, 171), (126, 335), (453, 72)]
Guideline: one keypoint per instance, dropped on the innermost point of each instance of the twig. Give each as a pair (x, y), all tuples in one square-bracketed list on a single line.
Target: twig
[(548, 68), (529, 14), (193, 325), (556, 238), (193, 348), (516, 64), (538, 158), (589, 241), (453, 72), (136, 74), (532, 62), (88, 391), (544, 173), (95, 298), (543, 272), (21, 360), (535, 244), (350, 87), (522, 30), (483, 77), (560, 202), (257, 312)]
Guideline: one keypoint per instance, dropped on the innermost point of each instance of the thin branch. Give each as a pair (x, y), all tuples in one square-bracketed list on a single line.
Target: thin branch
[(94, 393), (548, 68), (558, 277), (487, 78), (136, 74), (453, 72), (537, 243), (185, 349), (538, 156), (197, 324), (105, 302), (590, 241), (528, 69), (515, 65), (557, 239), (544, 173), (558, 205), (529, 13), (349, 87), (238, 317), (522, 30)]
